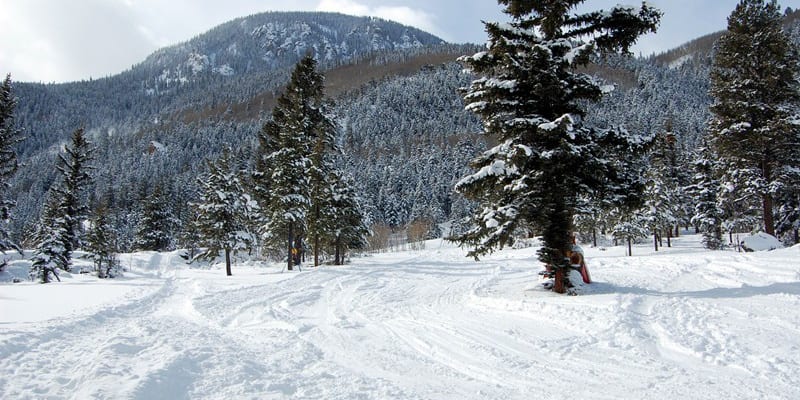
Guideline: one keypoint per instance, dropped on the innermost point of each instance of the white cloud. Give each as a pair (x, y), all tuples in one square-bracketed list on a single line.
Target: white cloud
[(345, 7), (402, 14)]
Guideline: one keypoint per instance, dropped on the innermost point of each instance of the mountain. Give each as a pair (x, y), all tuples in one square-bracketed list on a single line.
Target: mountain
[(271, 41), (235, 61), (155, 123), (405, 136)]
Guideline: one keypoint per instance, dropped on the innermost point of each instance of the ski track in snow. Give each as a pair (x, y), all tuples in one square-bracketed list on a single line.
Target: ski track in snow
[(431, 324)]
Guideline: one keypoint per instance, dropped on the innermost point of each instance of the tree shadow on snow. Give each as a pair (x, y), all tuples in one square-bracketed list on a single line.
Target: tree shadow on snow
[(791, 288)]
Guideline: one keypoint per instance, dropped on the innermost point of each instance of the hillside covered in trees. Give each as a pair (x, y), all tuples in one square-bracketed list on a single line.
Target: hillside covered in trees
[(402, 132)]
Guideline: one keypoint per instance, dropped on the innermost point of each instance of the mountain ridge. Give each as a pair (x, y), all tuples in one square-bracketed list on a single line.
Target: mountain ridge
[(405, 135)]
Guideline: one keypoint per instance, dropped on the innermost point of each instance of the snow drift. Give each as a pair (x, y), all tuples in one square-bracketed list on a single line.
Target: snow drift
[(429, 324)]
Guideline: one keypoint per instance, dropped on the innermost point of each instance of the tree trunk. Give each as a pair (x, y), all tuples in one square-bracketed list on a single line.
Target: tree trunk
[(558, 284), (337, 256), (769, 220), (655, 239), (316, 250), (290, 256), (228, 262), (669, 236), (594, 237), (630, 249), (678, 230)]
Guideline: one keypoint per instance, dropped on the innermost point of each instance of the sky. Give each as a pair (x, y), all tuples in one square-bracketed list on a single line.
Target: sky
[(57, 40)]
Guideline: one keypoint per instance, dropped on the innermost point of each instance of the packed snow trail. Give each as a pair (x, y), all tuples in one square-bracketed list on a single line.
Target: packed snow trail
[(430, 324)]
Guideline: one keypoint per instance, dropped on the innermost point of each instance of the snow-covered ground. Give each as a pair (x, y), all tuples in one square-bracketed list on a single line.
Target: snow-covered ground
[(682, 323)]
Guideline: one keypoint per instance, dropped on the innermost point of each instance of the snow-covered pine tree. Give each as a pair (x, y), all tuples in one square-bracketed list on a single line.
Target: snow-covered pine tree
[(531, 100), (661, 192), (630, 226), (788, 225), (588, 218), (321, 178), (10, 136), (157, 223), (50, 254), (224, 211), (754, 125), (285, 150), (101, 243), (58, 233), (707, 215), (74, 168), (350, 229), (740, 204)]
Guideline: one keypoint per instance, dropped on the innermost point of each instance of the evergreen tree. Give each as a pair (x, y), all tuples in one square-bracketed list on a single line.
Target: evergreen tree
[(531, 99), (101, 243), (739, 204), (285, 150), (662, 189), (157, 224), (58, 233), (74, 168), (50, 254), (629, 227), (224, 211), (788, 226), (321, 177), (350, 229), (754, 123), (10, 136), (707, 216), (588, 217)]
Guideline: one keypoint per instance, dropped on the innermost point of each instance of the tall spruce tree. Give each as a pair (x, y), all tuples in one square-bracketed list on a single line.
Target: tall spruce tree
[(349, 228), (50, 254), (157, 224), (58, 233), (661, 196), (754, 125), (101, 243), (531, 99), (707, 213), (10, 136), (285, 155), (321, 177), (788, 226), (75, 170), (224, 211)]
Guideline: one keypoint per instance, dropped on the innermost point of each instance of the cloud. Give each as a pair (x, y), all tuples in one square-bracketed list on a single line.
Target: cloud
[(59, 41), (402, 14), (345, 7)]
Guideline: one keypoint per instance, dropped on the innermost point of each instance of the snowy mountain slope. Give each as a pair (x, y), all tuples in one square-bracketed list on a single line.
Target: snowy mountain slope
[(681, 323), (275, 40)]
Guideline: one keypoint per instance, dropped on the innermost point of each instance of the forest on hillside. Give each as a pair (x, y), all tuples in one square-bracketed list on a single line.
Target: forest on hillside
[(403, 134)]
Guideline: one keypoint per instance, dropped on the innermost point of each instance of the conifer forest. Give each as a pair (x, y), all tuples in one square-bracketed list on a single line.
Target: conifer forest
[(313, 205), (272, 129)]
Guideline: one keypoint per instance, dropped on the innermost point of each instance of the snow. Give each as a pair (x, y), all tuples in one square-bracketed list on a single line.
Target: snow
[(224, 70), (558, 122), (680, 61), (679, 323), (761, 242)]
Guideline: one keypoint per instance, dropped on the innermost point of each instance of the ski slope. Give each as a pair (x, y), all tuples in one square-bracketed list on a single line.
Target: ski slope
[(426, 324)]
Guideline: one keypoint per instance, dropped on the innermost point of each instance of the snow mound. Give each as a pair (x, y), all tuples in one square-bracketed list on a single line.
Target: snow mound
[(761, 242)]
